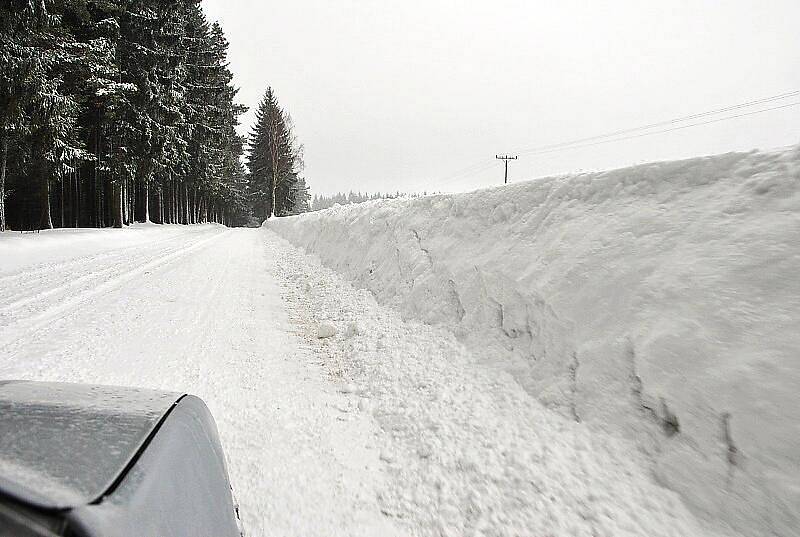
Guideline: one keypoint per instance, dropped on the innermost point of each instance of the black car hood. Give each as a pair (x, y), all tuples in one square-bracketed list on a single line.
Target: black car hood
[(64, 445)]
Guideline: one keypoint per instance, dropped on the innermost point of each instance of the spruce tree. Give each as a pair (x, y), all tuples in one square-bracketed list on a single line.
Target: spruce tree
[(127, 107), (274, 159)]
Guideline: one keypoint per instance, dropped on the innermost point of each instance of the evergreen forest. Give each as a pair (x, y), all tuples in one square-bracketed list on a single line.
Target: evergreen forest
[(121, 111)]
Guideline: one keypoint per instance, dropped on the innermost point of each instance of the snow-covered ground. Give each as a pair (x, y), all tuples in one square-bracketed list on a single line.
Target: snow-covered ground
[(467, 451), (657, 305), (197, 309), (389, 427)]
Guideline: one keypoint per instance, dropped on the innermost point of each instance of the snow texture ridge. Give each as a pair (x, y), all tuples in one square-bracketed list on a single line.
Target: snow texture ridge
[(657, 303)]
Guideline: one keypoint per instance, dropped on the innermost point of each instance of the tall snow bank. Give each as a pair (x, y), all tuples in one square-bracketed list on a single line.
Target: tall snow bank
[(660, 302)]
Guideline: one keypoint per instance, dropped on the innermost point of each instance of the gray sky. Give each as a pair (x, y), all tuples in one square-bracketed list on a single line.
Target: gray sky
[(403, 95)]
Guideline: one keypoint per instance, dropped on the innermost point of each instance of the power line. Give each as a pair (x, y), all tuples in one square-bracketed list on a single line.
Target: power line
[(699, 115), (483, 164), (614, 136), (717, 120)]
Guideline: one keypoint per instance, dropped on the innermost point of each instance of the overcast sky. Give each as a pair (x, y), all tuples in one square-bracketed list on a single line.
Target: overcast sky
[(404, 95)]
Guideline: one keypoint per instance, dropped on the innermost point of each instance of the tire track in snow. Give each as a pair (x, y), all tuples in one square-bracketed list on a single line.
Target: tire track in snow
[(212, 323), (40, 281), (26, 326), (48, 268)]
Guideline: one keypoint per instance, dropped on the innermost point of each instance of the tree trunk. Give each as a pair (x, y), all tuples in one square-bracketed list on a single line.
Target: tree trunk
[(121, 201), (78, 197), (118, 202), (174, 202), (147, 201), (136, 196), (272, 207), (98, 185), (96, 197), (62, 202), (130, 197), (101, 198), (176, 194), (46, 222), (132, 200), (123, 196), (3, 161)]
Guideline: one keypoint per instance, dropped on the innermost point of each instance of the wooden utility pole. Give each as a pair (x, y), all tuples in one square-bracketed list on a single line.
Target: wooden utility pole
[(505, 159)]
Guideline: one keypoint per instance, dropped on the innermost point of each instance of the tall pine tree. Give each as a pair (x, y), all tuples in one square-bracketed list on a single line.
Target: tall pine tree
[(127, 107), (274, 160)]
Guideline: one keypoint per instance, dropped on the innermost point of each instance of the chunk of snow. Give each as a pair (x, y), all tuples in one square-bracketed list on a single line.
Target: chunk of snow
[(352, 330), (325, 330), (349, 388)]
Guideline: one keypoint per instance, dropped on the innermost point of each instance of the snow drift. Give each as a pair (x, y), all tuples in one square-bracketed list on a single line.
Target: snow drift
[(659, 302)]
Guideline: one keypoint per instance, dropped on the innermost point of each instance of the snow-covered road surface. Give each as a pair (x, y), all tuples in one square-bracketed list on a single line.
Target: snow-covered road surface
[(387, 428), (197, 310)]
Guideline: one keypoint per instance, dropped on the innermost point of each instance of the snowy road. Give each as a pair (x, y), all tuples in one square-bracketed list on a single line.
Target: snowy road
[(388, 428), (196, 310)]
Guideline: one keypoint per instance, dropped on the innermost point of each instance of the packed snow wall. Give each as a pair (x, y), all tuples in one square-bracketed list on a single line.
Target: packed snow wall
[(660, 302)]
